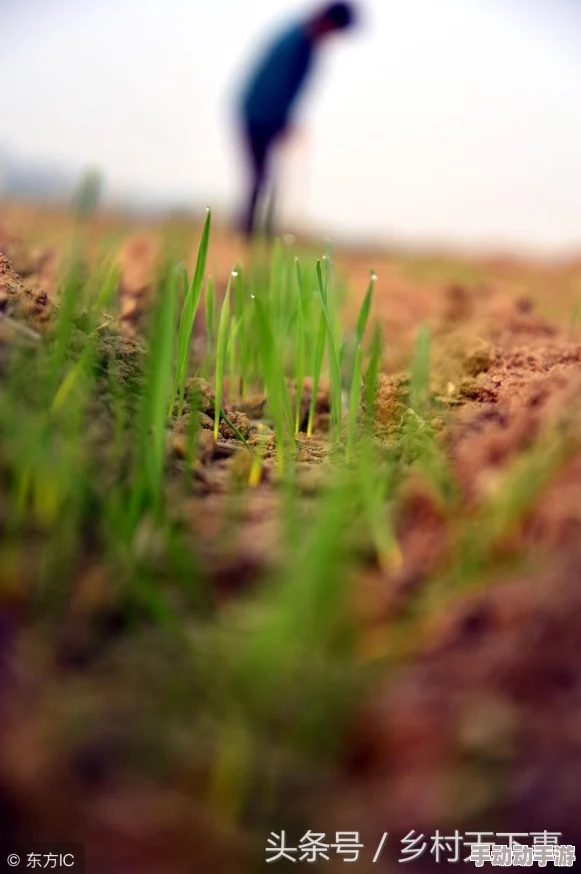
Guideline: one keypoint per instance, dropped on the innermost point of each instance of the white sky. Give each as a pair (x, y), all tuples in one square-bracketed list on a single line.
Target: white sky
[(440, 120)]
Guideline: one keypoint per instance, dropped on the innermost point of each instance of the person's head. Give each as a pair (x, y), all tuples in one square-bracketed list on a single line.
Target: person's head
[(332, 18)]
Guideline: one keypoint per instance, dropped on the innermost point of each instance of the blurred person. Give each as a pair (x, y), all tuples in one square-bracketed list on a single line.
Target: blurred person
[(270, 94)]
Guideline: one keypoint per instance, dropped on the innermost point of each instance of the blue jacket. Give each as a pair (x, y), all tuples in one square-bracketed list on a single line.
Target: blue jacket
[(276, 81)]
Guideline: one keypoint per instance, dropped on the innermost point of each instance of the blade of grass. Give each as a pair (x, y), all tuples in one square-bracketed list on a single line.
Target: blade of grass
[(365, 309), (375, 488), (354, 399), (221, 354), (371, 376), (336, 391), (232, 357), (300, 349), (318, 356), (210, 306), (160, 375), (188, 314), (420, 374), (275, 384), (149, 457)]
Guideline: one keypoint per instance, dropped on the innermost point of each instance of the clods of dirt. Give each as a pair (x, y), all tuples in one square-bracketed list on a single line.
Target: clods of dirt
[(389, 400), (459, 304), (460, 355), (322, 404), (458, 739), (138, 260), (19, 302)]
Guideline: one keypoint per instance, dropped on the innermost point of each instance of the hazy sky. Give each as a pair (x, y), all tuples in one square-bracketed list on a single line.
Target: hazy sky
[(440, 119)]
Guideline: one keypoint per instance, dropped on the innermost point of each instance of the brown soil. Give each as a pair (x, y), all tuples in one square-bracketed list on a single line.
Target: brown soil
[(138, 261), (19, 302)]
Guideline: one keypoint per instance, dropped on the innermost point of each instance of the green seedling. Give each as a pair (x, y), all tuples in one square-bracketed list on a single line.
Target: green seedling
[(210, 307), (233, 369), (375, 493), (336, 388), (221, 354), (300, 349), (148, 475), (420, 375), (354, 401), (241, 310), (188, 315), (371, 377), (275, 383)]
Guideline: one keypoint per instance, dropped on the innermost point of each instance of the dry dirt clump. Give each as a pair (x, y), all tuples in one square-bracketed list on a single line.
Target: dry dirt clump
[(139, 260), (200, 396), (18, 302), (200, 400), (526, 389), (458, 359), (459, 304), (389, 400)]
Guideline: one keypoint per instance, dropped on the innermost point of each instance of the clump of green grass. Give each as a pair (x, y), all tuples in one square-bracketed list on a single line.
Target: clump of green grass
[(334, 363), (222, 354), (300, 347), (356, 374), (210, 301), (418, 440)]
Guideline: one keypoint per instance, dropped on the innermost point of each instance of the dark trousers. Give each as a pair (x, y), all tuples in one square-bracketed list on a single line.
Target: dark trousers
[(259, 142)]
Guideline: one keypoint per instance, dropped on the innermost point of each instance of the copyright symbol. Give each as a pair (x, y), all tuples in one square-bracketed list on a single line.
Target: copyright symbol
[(13, 860)]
